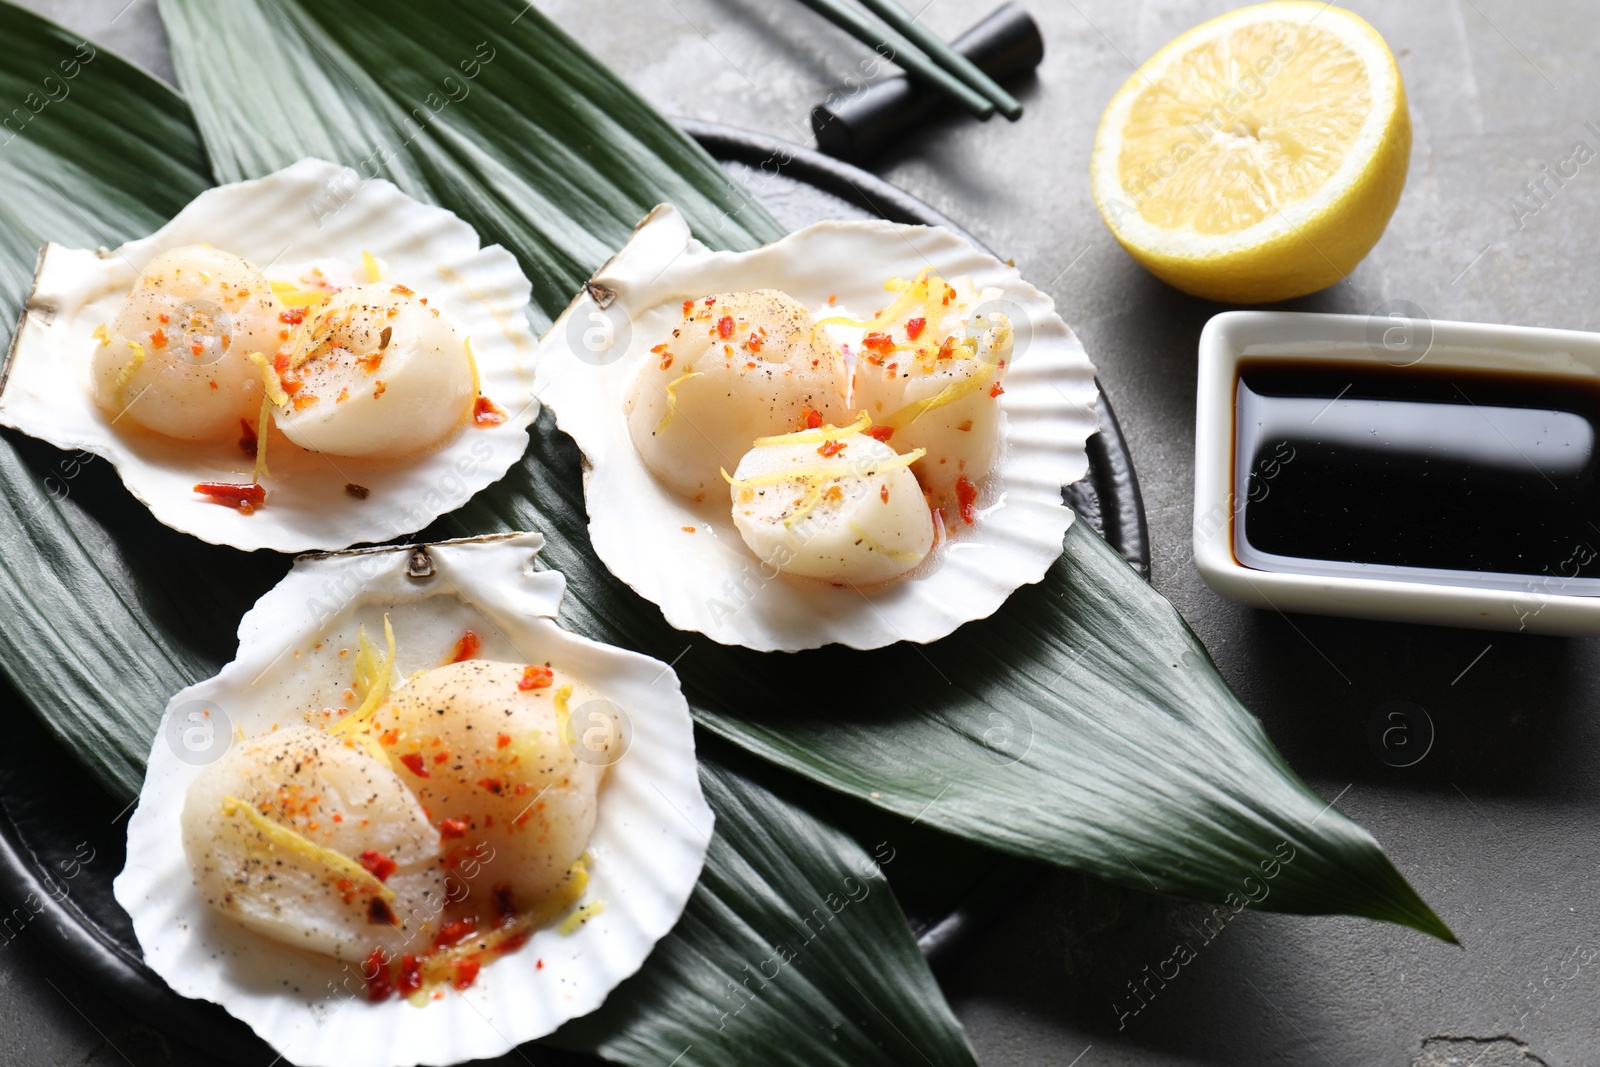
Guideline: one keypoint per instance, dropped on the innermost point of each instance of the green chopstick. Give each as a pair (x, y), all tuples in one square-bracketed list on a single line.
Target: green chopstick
[(913, 60), (948, 58)]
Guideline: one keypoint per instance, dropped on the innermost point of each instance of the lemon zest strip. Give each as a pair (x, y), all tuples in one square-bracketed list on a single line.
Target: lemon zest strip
[(374, 678), (828, 472), (809, 504), (293, 296), (672, 398), (570, 924), (909, 297), (817, 433), (370, 266), (564, 714), (261, 442), (129, 368), (948, 395), (472, 361), (292, 840), (270, 381), (892, 553)]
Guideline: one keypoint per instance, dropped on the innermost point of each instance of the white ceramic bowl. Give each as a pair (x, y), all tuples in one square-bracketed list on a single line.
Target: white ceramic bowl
[(1544, 603)]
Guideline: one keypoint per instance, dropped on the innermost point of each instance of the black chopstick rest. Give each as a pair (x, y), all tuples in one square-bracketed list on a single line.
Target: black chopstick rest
[(855, 125)]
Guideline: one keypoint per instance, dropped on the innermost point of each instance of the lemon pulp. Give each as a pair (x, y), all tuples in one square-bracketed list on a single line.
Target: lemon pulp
[(1258, 156)]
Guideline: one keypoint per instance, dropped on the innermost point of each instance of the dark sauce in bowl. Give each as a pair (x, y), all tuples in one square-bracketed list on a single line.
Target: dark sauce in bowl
[(1419, 473)]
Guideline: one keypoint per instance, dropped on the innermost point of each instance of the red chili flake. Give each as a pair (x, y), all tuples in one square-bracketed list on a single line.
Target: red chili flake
[(833, 298), (883, 492), (455, 931), (754, 342), (504, 904), (493, 785), (947, 350), (831, 448), (247, 437), (949, 295), (966, 495), (402, 290), (381, 388), (376, 972), (414, 764), (914, 328), (688, 308), (440, 757), (812, 418), (246, 496), (451, 828), (538, 965), (502, 741), (879, 433), (158, 338), (466, 648), (536, 678), (164, 317), (410, 976), (710, 300), (379, 913), (880, 344), (379, 865), (725, 326), (995, 389), (463, 973), (484, 411), (292, 317)]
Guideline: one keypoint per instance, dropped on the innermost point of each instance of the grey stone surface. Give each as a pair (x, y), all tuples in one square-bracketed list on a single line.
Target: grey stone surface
[(1497, 825)]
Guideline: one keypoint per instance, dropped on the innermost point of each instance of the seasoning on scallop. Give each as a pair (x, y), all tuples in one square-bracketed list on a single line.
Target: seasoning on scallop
[(930, 371), (832, 503), (484, 746), (314, 842), (374, 371), (174, 359), (737, 366)]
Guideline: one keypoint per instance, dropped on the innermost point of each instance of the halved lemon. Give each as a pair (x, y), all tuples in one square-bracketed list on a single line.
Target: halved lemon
[(1259, 156)]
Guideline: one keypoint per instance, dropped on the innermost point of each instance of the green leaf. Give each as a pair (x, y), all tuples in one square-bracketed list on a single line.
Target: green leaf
[(789, 903), (1140, 765), (109, 613), (492, 110)]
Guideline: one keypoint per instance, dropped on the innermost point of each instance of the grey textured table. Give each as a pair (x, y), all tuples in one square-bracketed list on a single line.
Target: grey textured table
[(1495, 826)]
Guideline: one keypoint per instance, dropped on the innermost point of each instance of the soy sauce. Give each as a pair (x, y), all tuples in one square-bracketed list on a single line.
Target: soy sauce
[(1417, 472)]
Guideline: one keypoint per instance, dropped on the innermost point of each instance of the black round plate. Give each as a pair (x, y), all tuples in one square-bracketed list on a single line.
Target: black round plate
[(61, 840)]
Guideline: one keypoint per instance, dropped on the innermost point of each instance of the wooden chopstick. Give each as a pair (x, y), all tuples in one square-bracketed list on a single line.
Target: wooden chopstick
[(913, 60), (941, 53)]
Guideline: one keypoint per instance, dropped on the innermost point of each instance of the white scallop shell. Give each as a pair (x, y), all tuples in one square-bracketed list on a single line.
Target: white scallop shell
[(312, 212), (649, 841), (709, 581)]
